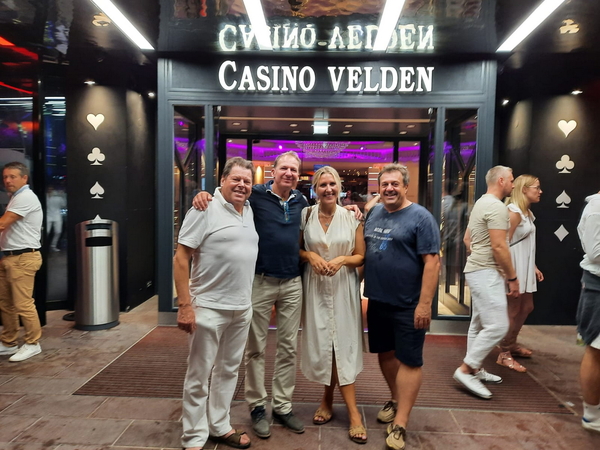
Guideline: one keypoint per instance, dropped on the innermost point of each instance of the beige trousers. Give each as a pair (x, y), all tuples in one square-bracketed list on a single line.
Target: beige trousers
[(17, 275), (286, 296)]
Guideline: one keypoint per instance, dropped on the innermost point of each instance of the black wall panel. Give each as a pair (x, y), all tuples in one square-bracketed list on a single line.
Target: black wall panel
[(535, 144), (125, 139)]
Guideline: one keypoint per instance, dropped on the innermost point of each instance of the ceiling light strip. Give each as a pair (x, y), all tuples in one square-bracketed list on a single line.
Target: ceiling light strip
[(387, 24), (534, 20), (259, 24), (117, 17)]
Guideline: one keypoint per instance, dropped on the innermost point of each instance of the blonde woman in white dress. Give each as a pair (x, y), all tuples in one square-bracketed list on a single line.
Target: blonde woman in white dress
[(521, 235), (332, 244)]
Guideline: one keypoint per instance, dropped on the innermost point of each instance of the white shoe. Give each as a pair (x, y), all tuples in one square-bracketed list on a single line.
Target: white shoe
[(592, 425), (4, 350), (487, 377), (26, 352), (472, 383)]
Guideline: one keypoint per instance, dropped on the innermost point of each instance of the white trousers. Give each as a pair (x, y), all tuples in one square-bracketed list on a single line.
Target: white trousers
[(216, 350), (489, 321)]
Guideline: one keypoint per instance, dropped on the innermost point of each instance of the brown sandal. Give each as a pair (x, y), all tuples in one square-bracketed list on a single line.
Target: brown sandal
[(322, 416), (505, 359), (356, 433), (233, 440)]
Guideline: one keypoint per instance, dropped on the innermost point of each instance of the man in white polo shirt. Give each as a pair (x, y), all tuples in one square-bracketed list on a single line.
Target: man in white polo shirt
[(215, 307), (20, 229)]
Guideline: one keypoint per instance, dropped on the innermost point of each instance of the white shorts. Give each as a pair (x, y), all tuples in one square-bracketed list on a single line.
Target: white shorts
[(596, 342)]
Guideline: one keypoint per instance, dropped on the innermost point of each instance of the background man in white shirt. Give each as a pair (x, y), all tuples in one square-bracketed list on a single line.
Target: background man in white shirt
[(20, 229)]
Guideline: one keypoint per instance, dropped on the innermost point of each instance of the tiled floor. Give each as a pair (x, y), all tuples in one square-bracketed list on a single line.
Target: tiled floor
[(38, 410)]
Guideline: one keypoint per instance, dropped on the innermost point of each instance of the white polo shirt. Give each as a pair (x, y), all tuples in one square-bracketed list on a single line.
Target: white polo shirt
[(226, 247), (25, 232)]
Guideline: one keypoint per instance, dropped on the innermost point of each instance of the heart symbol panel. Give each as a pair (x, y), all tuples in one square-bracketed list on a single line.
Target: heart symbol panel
[(95, 120), (567, 127)]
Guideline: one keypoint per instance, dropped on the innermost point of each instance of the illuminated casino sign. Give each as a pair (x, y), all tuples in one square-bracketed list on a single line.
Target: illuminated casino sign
[(351, 79), (411, 38)]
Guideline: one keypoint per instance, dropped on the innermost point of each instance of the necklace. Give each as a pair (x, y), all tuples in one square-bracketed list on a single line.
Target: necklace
[(327, 216)]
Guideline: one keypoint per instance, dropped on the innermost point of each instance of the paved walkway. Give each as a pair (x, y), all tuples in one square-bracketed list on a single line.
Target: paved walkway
[(38, 410)]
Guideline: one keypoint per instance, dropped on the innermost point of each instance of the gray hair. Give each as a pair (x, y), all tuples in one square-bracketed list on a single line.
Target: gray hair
[(496, 172), (395, 167), (19, 166), (237, 161)]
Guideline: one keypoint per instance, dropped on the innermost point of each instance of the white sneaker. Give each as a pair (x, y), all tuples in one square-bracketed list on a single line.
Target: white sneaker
[(487, 377), (25, 352), (4, 350), (472, 383), (592, 425)]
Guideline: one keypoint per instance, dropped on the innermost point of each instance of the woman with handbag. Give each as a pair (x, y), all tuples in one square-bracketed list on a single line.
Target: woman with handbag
[(332, 244), (521, 235)]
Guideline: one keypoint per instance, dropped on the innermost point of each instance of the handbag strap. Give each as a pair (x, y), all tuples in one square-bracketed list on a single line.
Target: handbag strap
[(310, 208)]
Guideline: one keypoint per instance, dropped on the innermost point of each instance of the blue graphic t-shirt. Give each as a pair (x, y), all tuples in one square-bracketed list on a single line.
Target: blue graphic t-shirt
[(395, 245)]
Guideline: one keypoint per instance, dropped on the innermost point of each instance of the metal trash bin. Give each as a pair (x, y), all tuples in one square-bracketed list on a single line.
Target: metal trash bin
[(97, 302)]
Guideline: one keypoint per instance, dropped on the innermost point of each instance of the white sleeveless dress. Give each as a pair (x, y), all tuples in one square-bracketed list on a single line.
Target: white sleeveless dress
[(522, 251), (331, 309)]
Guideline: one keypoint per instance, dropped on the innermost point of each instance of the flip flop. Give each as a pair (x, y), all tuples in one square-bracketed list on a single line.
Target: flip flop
[(233, 440), (321, 413), (356, 432)]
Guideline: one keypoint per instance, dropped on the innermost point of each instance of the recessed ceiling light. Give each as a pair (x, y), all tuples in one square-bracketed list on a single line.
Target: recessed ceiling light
[(293, 125), (349, 125), (296, 131), (576, 92), (410, 126), (90, 82), (243, 130), (403, 132), (151, 95), (236, 124), (416, 143), (346, 132), (229, 140), (505, 102)]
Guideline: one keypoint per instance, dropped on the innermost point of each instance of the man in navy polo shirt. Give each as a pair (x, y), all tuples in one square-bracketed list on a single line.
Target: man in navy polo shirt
[(401, 277)]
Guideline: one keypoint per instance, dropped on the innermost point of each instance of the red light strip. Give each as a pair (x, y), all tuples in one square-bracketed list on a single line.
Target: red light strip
[(5, 43), (15, 88)]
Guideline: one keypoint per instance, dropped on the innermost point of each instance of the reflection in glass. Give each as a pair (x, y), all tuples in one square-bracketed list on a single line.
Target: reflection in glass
[(188, 169), (457, 200), (56, 199)]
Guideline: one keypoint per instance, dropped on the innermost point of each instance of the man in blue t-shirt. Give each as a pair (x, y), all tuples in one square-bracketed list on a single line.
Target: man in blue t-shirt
[(401, 276)]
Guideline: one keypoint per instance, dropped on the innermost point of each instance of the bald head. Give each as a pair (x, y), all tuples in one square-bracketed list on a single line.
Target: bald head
[(495, 173), (499, 180)]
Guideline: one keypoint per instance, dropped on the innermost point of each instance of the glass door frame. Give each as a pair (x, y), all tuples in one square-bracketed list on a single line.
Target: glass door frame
[(170, 94)]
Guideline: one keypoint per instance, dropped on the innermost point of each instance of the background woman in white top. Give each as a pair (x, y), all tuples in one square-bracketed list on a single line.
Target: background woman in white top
[(521, 235), (332, 244)]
